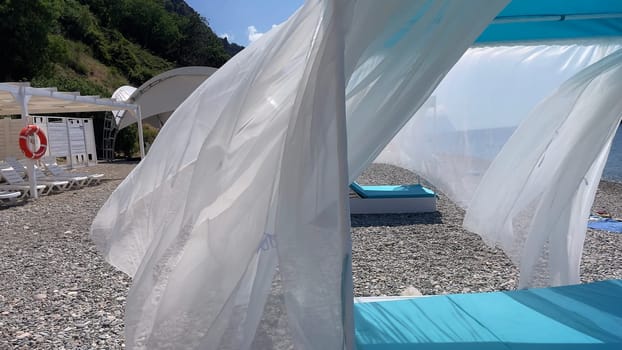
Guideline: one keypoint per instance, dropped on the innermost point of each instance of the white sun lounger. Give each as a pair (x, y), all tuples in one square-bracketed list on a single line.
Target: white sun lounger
[(18, 183), (9, 196), (57, 171), (23, 188), (74, 181)]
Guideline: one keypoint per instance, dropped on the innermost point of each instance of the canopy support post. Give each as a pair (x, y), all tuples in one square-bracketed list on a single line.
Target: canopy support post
[(141, 141), (22, 99)]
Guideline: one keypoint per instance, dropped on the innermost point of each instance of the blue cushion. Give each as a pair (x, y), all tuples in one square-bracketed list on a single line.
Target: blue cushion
[(606, 224), (391, 191), (573, 317)]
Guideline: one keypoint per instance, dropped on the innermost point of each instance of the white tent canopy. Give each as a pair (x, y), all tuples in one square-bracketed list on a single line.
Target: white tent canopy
[(248, 178), (161, 95), (50, 100), (122, 94)]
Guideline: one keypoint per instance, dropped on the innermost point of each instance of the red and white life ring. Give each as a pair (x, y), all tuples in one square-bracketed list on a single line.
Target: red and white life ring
[(28, 131)]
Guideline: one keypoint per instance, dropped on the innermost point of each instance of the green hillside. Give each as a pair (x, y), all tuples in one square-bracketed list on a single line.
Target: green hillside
[(95, 46)]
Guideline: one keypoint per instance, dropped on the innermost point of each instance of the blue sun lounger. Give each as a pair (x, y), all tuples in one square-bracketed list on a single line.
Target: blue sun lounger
[(386, 199), (586, 316)]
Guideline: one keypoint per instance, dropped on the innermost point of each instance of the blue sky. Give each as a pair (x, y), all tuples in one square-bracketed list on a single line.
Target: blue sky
[(244, 20)]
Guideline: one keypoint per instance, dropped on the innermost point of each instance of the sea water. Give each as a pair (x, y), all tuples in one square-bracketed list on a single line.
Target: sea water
[(613, 168), (486, 144)]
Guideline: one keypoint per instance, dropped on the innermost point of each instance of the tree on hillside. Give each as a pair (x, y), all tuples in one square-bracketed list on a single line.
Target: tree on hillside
[(150, 25), (231, 48), (94, 44), (168, 28), (199, 46), (24, 28)]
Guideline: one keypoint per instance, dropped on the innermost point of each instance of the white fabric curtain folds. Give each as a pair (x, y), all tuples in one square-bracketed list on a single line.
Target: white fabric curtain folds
[(526, 173), (251, 172), (462, 127), (542, 184)]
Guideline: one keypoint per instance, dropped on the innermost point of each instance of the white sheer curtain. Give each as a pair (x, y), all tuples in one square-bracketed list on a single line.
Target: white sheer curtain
[(542, 184), (467, 122), (393, 74), (459, 130), (250, 173)]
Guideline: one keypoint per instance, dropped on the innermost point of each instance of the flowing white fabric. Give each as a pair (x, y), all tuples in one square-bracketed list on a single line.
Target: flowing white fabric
[(466, 124), (198, 221), (251, 172), (391, 76), (554, 160), (461, 128)]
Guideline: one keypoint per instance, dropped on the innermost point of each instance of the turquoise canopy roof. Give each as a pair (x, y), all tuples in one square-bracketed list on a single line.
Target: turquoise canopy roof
[(550, 20)]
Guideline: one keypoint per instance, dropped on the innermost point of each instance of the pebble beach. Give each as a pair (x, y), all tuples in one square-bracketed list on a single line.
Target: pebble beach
[(56, 292)]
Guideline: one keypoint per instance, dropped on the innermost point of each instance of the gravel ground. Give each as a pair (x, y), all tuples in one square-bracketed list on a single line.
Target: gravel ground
[(433, 253), (56, 292)]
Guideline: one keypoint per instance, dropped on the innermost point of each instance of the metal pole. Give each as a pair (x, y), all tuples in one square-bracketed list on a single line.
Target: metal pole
[(140, 132), (69, 151), (23, 99)]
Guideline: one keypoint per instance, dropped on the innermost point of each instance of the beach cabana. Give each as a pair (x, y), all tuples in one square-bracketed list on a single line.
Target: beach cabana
[(159, 96), (248, 181), (157, 99), (24, 100)]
